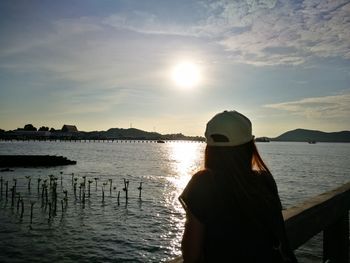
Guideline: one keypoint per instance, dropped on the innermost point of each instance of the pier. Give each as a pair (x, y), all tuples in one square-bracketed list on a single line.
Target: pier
[(327, 213), (97, 140)]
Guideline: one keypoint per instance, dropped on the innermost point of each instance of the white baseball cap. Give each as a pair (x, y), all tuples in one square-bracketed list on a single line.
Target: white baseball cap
[(228, 128)]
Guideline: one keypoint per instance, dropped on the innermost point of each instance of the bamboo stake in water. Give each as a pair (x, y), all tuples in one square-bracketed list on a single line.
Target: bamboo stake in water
[(84, 178), (75, 190), (61, 177), (110, 186), (89, 182), (13, 196), (39, 179), (18, 201), (80, 186), (7, 188), (118, 198), (22, 211), (15, 185), (65, 197), (125, 189), (140, 189), (54, 193), (83, 199), (31, 211), (1, 180), (29, 180), (62, 206), (46, 196), (50, 182), (96, 183), (43, 187), (49, 211)]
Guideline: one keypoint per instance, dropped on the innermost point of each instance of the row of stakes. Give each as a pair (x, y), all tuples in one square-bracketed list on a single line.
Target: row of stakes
[(49, 187)]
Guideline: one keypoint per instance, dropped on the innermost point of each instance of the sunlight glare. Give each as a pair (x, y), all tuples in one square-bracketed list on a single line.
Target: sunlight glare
[(186, 74), (187, 159)]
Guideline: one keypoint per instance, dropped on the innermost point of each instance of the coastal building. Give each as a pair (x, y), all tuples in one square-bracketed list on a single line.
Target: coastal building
[(69, 128)]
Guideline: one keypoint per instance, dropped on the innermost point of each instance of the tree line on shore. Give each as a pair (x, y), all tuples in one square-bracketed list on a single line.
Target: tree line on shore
[(71, 132)]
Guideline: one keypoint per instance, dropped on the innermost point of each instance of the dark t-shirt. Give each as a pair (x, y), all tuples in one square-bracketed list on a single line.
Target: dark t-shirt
[(231, 233)]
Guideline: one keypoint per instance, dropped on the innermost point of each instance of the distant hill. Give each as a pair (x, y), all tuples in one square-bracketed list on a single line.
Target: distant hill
[(131, 133), (136, 134), (302, 135), (112, 133)]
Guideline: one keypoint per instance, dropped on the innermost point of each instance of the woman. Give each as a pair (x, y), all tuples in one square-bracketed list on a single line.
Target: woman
[(232, 206)]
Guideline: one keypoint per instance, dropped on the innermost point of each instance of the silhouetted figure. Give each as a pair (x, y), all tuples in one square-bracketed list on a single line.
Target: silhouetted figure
[(232, 206)]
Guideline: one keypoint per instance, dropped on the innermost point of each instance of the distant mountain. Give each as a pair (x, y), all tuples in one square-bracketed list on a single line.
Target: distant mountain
[(302, 135)]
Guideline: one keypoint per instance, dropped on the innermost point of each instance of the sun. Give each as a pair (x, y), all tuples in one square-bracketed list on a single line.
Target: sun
[(186, 74)]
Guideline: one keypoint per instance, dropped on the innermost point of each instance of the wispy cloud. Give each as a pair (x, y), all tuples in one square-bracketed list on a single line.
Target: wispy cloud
[(147, 23), (257, 31), (328, 107)]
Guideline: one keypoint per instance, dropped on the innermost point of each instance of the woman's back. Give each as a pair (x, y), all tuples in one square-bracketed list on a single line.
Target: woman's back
[(232, 228)]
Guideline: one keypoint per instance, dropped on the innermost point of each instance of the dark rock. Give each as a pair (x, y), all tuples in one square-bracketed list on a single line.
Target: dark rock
[(33, 160)]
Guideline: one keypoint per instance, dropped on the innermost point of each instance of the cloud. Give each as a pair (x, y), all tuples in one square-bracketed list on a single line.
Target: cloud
[(328, 107), (303, 29), (147, 23), (258, 32)]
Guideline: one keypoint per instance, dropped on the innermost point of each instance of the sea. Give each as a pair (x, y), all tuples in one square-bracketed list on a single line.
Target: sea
[(98, 223)]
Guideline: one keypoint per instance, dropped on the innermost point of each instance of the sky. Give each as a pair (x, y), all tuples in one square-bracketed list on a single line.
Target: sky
[(109, 64)]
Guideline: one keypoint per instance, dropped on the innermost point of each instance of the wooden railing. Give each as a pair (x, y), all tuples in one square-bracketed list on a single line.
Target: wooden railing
[(327, 212)]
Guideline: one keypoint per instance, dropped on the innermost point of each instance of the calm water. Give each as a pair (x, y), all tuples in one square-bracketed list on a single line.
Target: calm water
[(146, 230)]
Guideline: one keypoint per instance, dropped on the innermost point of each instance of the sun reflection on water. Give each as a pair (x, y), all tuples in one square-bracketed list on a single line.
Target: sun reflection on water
[(186, 159)]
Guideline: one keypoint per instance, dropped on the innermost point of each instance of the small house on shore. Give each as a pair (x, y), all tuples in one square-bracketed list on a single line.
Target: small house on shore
[(69, 128)]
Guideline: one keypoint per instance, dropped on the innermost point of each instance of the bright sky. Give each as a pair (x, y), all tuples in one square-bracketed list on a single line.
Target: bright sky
[(169, 66)]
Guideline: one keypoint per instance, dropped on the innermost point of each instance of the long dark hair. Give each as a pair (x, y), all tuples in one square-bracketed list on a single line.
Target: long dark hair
[(245, 158), (238, 168)]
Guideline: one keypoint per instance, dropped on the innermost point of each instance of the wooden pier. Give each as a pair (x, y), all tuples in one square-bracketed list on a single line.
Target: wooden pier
[(327, 213), (100, 140)]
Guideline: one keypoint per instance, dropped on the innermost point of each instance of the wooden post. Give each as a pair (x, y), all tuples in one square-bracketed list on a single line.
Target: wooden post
[(22, 211), (39, 179), (110, 186), (7, 188), (125, 189), (118, 198), (336, 241), (140, 190), (18, 201), (89, 182), (13, 196), (75, 190), (31, 211), (83, 198)]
